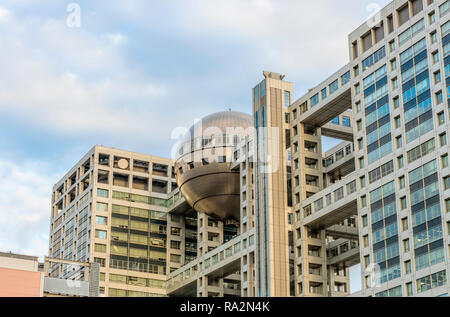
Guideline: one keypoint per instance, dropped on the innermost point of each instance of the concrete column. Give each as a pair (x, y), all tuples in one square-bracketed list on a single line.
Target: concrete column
[(210, 235)]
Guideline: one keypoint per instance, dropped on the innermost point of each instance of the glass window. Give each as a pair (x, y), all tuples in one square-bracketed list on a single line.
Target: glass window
[(101, 206), (334, 86), (346, 121), (101, 220), (287, 98), (102, 193), (101, 234), (314, 100)]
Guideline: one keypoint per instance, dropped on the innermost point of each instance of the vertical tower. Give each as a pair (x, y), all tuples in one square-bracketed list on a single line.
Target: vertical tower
[(270, 107)]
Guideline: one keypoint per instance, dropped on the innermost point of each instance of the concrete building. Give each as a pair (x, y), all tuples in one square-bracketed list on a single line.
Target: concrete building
[(25, 276), (111, 209), (270, 213), (397, 185)]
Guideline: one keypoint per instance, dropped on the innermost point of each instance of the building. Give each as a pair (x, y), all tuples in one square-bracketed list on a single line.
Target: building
[(20, 276), (25, 276), (111, 209), (381, 198), (397, 185)]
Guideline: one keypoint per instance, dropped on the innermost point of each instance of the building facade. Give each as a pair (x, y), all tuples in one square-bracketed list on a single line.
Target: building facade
[(111, 209), (381, 198), (395, 86)]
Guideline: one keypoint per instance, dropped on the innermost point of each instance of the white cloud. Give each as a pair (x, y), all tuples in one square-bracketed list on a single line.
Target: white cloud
[(116, 38), (72, 83), (25, 207), (5, 15)]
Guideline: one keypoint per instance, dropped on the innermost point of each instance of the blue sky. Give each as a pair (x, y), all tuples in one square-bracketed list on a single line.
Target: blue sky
[(133, 72)]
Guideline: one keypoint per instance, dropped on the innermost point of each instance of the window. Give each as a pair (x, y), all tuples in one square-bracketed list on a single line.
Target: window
[(439, 97), (401, 182), (175, 244), (102, 193), (287, 98), (392, 45), (362, 182), (396, 102), (393, 64), (360, 144), (101, 248), (101, 221), (103, 177), (437, 77), (101, 206), (443, 140), (433, 37), (175, 231), (397, 122), (101, 234), (404, 224), (435, 57), (441, 118), (403, 203), (431, 281), (324, 93), (408, 265), (346, 121), (314, 100), (359, 125), (334, 86), (101, 261), (364, 201), (399, 141), (364, 221), (444, 161), (345, 78), (366, 260), (406, 247), (394, 83), (447, 182), (365, 241), (358, 107), (432, 17), (361, 162), (400, 162), (409, 289)]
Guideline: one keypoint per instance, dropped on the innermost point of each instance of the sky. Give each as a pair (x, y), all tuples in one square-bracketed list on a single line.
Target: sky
[(131, 72)]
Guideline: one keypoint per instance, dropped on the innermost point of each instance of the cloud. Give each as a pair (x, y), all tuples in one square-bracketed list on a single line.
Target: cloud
[(4, 14), (116, 38), (67, 85), (25, 207)]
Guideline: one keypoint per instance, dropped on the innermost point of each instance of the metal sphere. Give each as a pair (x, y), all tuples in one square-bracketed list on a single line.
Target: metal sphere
[(203, 166)]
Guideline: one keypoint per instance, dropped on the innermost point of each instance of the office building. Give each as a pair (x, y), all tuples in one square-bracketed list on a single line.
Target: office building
[(110, 208), (269, 212)]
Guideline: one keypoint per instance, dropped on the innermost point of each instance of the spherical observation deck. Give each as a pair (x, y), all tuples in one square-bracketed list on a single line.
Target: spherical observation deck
[(203, 164)]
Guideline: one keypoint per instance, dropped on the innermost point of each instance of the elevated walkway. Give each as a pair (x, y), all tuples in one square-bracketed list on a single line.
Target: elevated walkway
[(332, 106), (221, 262), (338, 202), (343, 252)]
